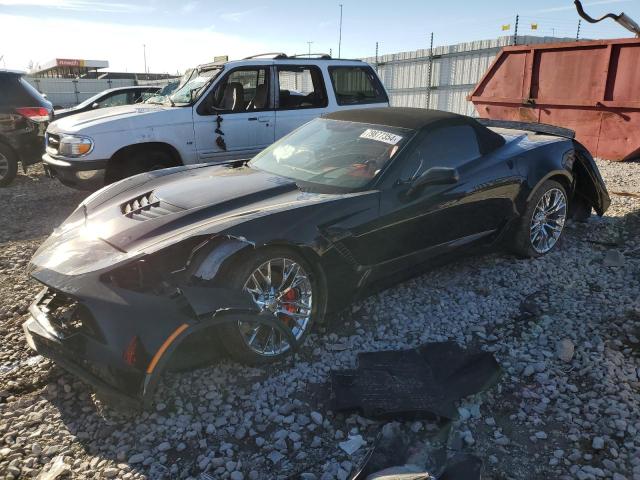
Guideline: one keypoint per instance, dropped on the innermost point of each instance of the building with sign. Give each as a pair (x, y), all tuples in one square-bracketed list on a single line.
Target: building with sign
[(70, 68), (89, 69)]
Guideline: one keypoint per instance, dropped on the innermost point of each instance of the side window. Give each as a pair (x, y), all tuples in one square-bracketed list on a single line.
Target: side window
[(449, 147), (356, 86), (242, 90), (114, 100), (300, 87)]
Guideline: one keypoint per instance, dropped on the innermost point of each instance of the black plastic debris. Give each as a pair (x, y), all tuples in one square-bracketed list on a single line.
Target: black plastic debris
[(419, 383), (399, 454)]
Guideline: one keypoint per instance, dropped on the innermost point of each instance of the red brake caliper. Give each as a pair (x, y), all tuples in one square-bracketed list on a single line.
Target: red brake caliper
[(291, 295)]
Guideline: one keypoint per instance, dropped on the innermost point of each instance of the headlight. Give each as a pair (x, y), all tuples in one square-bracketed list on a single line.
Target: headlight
[(74, 146)]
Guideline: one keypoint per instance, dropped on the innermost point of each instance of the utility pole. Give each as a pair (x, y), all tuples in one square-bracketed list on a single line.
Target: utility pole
[(309, 43), (331, 52), (515, 33), (144, 53), (376, 56), (429, 70), (578, 32), (340, 34)]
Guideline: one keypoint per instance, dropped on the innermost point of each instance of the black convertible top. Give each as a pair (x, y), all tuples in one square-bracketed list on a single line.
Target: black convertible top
[(419, 119)]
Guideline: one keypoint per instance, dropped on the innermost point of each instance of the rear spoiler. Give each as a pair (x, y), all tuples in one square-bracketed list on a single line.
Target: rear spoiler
[(542, 128)]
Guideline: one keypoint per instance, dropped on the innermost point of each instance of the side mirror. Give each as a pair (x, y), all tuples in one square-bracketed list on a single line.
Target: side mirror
[(434, 176), (95, 105)]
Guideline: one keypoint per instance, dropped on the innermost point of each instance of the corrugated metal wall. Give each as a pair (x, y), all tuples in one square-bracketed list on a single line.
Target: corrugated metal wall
[(67, 92), (455, 71)]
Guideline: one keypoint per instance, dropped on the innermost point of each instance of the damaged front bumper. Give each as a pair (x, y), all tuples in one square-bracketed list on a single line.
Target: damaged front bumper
[(120, 341)]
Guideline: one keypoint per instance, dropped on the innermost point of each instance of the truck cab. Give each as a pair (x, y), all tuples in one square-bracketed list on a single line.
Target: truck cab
[(219, 112)]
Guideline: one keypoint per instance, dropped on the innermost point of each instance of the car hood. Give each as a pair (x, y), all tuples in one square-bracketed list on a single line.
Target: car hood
[(154, 208), (104, 119)]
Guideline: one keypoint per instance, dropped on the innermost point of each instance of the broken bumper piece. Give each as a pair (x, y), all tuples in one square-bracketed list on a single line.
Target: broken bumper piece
[(120, 341)]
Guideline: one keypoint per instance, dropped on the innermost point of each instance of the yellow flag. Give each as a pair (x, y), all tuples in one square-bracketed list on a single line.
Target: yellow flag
[(534, 26), (506, 27)]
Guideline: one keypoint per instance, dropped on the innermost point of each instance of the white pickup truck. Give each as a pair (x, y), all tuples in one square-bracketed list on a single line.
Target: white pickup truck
[(224, 111)]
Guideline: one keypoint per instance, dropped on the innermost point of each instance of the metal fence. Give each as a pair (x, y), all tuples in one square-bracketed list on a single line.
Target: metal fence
[(66, 92), (455, 70)]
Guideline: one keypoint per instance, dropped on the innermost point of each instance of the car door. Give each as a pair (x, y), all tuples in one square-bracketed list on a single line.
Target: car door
[(236, 119), (436, 219), (301, 96)]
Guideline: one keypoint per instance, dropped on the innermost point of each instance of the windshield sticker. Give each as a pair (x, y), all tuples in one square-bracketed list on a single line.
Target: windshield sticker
[(381, 136)]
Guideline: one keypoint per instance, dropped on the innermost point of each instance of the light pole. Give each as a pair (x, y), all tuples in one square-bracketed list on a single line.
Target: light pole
[(340, 33), (144, 53), (309, 43)]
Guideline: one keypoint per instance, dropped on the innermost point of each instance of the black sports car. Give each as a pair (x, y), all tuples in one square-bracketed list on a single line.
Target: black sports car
[(254, 252)]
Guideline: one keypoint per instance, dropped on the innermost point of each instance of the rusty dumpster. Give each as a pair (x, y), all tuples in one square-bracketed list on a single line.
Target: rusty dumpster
[(592, 87)]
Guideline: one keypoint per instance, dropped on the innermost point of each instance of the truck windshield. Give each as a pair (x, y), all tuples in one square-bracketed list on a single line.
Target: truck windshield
[(194, 88)]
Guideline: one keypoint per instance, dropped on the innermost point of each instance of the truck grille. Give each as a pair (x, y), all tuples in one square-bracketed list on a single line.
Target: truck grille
[(52, 142), (147, 207)]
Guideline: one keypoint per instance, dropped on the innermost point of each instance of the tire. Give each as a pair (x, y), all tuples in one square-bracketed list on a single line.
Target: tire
[(139, 162), (8, 165), (525, 242), (236, 336)]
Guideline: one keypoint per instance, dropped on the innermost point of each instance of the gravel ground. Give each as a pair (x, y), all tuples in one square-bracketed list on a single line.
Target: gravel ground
[(565, 328)]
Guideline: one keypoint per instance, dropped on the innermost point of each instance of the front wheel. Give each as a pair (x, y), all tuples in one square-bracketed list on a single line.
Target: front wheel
[(542, 223), (282, 284)]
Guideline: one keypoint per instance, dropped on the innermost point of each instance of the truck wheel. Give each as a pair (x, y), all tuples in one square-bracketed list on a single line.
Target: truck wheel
[(140, 162), (8, 165)]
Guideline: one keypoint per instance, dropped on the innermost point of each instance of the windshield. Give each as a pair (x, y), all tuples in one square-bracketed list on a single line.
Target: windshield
[(191, 91), (333, 153)]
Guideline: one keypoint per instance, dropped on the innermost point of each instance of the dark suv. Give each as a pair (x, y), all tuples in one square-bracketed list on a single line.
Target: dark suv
[(24, 116)]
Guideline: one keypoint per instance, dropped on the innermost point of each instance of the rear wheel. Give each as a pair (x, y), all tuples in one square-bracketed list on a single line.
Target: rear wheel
[(542, 223), (282, 284), (8, 165)]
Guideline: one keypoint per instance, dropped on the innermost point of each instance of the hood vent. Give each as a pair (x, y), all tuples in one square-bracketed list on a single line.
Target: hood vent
[(147, 207)]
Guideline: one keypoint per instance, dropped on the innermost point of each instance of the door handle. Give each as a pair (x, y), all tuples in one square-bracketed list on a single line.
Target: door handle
[(252, 119), (263, 119)]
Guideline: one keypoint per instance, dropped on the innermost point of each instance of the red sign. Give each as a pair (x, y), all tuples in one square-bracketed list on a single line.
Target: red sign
[(68, 62)]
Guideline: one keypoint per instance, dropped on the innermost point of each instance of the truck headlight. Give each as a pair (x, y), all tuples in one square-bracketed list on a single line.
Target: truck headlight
[(75, 146)]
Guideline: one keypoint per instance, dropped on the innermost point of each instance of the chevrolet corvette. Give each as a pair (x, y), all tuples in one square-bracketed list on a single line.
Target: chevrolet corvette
[(252, 253)]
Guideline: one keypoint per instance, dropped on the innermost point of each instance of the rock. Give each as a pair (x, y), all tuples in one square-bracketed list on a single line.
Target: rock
[(110, 472), (565, 350), (56, 469), (136, 458), (275, 457), (598, 443), (317, 418), (236, 475), (352, 445), (464, 414), (164, 446), (613, 258)]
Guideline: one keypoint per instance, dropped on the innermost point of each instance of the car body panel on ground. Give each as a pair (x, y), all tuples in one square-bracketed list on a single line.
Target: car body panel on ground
[(365, 198)]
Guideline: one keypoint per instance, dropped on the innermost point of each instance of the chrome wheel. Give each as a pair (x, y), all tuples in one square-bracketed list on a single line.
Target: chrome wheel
[(4, 166), (547, 221), (281, 287)]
